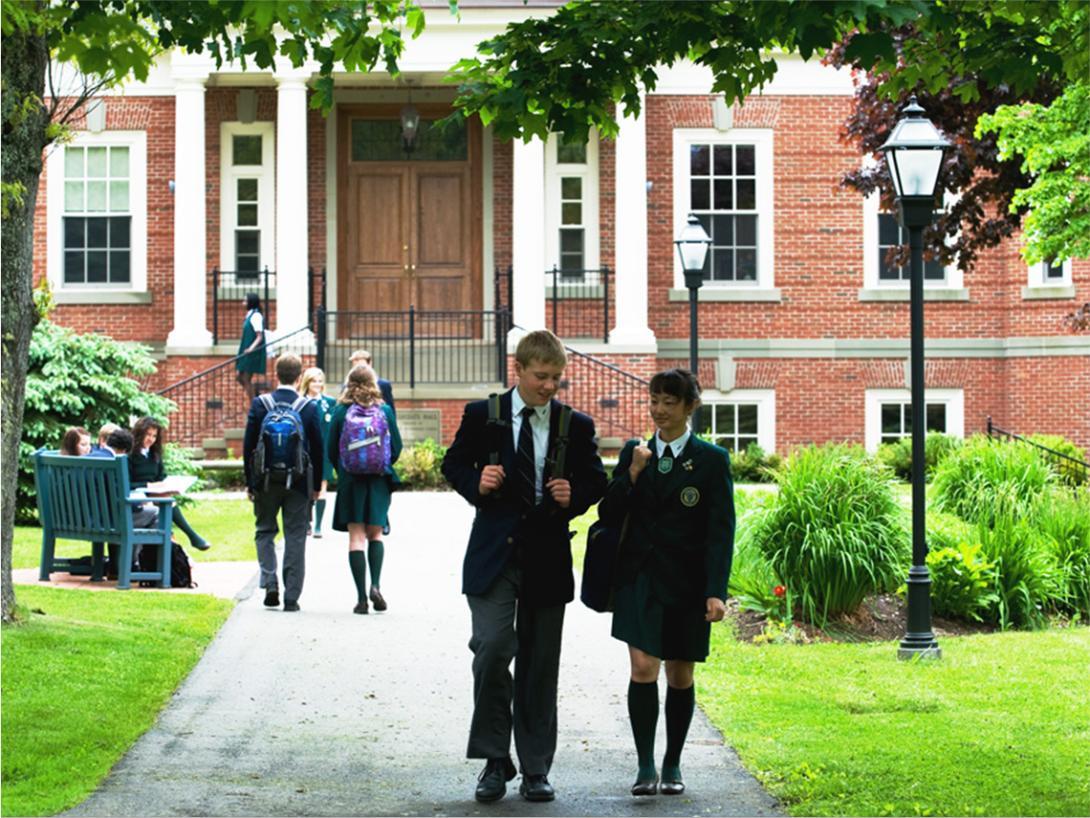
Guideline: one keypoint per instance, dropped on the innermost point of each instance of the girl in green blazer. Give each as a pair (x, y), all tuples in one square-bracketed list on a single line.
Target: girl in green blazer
[(313, 386), (672, 568), (363, 501)]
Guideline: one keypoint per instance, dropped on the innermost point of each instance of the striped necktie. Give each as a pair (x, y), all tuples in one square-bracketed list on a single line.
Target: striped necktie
[(527, 468)]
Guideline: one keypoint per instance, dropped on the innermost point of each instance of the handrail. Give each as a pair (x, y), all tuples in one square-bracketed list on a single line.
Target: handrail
[(1076, 465), (597, 361)]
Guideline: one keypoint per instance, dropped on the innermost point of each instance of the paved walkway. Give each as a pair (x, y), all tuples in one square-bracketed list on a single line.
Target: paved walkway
[(328, 713)]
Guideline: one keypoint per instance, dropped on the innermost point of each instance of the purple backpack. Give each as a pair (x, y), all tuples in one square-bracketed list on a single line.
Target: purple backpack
[(365, 441)]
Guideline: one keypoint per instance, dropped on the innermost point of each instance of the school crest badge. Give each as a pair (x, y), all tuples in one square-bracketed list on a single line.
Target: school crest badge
[(690, 496)]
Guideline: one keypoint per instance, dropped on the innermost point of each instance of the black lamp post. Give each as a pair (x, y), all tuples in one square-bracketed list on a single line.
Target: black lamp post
[(692, 245), (914, 153)]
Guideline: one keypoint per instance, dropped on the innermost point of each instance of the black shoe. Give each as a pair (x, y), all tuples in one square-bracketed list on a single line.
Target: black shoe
[(272, 598), (536, 788), (291, 605), (378, 600), (675, 786), (361, 608), (492, 782), (201, 546), (645, 786)]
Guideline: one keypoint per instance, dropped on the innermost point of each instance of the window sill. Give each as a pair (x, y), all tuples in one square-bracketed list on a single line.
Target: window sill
[(1043, 293), (901, 294), (575, 291), (101, 297), (707, 293)]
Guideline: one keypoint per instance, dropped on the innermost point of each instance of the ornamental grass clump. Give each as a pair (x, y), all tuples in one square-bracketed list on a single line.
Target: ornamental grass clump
[(985, 479), (834, 534), (1027, 578), (898, 455), (1063, 520)]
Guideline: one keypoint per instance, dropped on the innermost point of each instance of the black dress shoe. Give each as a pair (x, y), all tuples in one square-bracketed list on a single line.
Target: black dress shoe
[(378, 600), (272, 598), (361, 608), (673, 787), (536, 788), (645, 786), (201, 546), (291, 605), (492, 782)]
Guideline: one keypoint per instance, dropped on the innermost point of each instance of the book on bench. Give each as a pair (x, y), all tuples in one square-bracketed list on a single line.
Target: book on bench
[(173, 484)]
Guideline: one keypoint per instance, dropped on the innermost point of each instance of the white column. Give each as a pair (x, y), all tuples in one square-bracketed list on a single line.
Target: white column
[(291, 202), (630, 230), (190, 245), (528, 236)]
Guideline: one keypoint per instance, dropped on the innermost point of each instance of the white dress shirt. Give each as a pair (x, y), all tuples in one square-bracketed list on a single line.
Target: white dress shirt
[(677, 446), (539, 425)]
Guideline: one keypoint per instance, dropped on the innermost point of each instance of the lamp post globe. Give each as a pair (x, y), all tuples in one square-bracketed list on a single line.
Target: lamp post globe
[(914, 156), (692, 246)]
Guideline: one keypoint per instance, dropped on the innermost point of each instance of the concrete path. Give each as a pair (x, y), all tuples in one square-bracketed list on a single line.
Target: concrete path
[(327, 713)]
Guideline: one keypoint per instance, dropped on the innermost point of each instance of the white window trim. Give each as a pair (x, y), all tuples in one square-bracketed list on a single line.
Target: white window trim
[(1037, 275), (762, 140), (137, 143), (766, 410), (954, 277), (266, 186), (589, 173), (954, 399)]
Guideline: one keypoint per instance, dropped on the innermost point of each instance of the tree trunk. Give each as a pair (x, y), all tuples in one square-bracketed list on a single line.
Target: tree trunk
[(24, 117)]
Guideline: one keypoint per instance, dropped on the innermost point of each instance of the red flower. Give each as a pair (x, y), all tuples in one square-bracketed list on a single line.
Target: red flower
[(779, 590)]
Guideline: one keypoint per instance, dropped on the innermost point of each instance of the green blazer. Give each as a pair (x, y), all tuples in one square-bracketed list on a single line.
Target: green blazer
[(680, 524), (144, 469)]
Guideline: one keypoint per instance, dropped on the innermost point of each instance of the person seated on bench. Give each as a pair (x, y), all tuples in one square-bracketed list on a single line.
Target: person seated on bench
[(146, 466), (103, 434), (76, 442)]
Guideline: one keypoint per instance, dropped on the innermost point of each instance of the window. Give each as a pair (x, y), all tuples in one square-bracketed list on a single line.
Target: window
[(96, 191), (726, 180), (1050, 274), (889, 414), (247, 203), (891, 234), (571, 192), (738, 418), (882, 231)]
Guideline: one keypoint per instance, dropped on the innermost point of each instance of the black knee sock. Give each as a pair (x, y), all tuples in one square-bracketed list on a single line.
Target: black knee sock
[(643, 712), (375, 552), (679, 714), (319, 512), (180, 522), (357, 561)]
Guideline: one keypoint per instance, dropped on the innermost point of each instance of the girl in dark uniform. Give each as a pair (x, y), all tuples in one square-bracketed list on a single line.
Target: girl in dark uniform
[(313, 386), (251, 347), (363, 500), (672, 570)]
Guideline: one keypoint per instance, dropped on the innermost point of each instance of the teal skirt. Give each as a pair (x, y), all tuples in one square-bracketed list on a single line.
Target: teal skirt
[(668, 632), (361, 499)]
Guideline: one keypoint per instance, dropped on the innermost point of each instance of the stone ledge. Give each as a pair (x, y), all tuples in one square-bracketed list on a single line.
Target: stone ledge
[(101, 297), (1048, 293), (710, 294), (901, 294)]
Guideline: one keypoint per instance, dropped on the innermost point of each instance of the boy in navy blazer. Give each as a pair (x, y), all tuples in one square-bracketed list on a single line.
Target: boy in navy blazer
[(517, 573)]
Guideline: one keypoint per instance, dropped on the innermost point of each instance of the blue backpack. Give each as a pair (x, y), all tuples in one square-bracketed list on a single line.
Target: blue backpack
[(281, 454)]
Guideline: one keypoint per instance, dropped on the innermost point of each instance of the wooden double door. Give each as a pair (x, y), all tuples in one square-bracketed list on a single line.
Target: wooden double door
[(410, 224)]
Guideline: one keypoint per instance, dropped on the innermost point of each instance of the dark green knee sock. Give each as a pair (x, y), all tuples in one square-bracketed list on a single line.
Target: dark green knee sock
[(180, 522), (357, 561), (375, 552), (319, 512), (643, 712), (679, 714)]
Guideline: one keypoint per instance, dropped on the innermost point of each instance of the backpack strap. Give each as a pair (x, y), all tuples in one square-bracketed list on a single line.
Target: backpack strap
[(559, 454), (298, 404), (496, 424), (267, 399)]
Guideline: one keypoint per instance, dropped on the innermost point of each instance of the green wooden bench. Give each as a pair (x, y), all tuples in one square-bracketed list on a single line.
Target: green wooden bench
[(89, 498)]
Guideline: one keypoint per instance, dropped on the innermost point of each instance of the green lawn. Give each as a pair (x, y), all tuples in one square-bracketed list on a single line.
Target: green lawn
[(83, 681), (999, 726)]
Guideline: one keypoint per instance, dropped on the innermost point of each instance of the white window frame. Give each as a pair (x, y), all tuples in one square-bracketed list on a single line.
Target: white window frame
[(954, 400), (266, 191), (137, 143), (588, 172), (1037, 275), (763, 141), (954, 279), (766, 410)]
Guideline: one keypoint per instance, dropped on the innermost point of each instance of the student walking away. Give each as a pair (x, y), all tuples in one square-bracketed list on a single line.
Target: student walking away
[(529, 465), (364, 443), (672, 568), (251, 347), (76, 442), (283, 459), (362, 356), (313, 386), (146, 466)]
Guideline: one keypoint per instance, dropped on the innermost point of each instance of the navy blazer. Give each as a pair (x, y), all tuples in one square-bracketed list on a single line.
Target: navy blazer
[(312, 437), (387, 392), (504, 524)]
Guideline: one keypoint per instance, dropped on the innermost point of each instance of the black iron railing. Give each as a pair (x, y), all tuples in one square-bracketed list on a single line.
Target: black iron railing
[(212, 400), (413, 346), (1071, 470), (229, 291), (503, 289), (578, 302)]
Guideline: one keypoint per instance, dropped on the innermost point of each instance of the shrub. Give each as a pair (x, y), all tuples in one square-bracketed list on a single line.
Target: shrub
[(898, 456), (834, 534), (1066, 471), (961, 581), (1064, 522), (1026, 577), (418, 466), (177, 460), (78, 380), (985, 478), (755, 585), (753, 465)]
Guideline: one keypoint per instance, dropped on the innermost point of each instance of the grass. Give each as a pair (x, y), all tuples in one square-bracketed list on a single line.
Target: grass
[(999, 726), (227, 524), (83, 681)]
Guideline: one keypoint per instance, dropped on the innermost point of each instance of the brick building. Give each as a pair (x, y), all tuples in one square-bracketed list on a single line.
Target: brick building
[(803, 327)]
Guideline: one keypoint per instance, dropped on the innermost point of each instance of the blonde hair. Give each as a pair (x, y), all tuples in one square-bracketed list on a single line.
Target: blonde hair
[(308, 376), (104, 432), (360, 356), (542, 346), (362, 387)]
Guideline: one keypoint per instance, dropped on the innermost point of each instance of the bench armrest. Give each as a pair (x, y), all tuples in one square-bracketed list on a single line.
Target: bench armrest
[(132, 498)]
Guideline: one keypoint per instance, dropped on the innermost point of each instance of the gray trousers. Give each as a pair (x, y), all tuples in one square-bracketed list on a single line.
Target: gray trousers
[(503, 630), (293, 508)]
